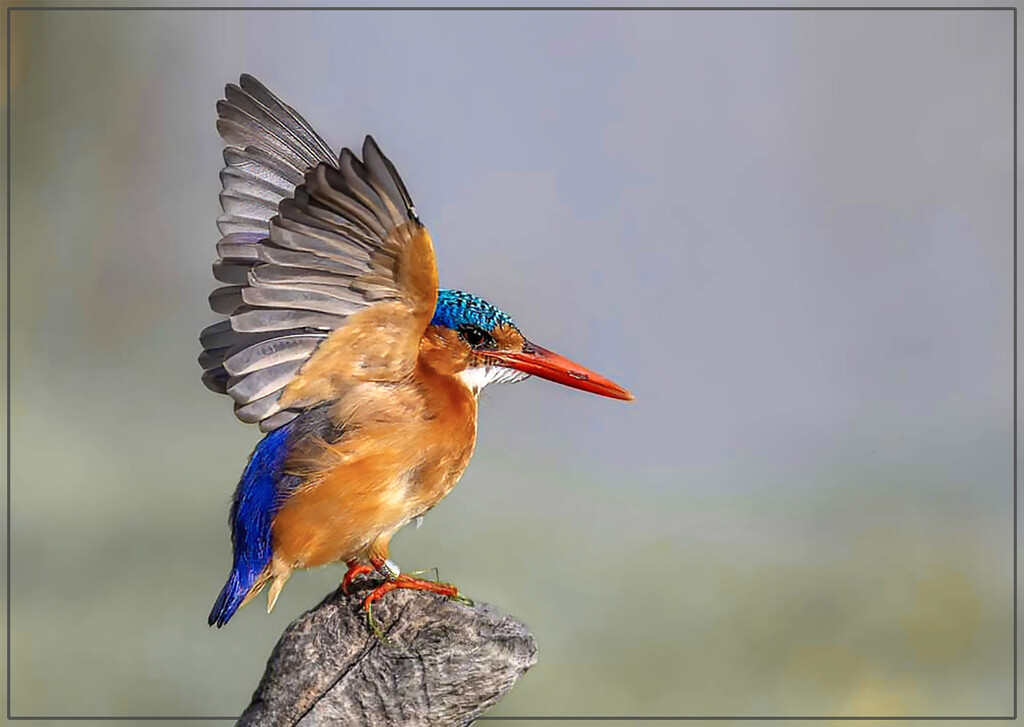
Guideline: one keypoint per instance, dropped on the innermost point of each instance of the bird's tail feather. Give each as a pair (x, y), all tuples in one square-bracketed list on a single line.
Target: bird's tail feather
[(259, 492), (275, 589), (233, 596)]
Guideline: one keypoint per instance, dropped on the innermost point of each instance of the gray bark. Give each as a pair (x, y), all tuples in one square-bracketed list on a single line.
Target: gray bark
[(441, 663)]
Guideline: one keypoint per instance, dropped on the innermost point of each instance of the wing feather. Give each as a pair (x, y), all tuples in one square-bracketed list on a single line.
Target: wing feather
[(247, 389), (236, 224), (259, 410), (240, 246), (226, 300), (262, 320), (384, 175), (322, 243), (327, 186), (279, 419), (242, 204), (271, 352), (249, 170), (233, 272), (285, 114), (312, 246), (279, 256), (304, 298), (270, 274), (295, 143), (357, 182), (241, 129)]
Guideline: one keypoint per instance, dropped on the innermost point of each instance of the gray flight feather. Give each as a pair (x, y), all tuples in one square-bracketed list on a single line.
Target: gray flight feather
[(305, 212), (300, 298), (211, 358), (217, 335), (259, 182), (226, 300), (353, 173), (259, 113), (229, 250), (262, 319), (300, 287), (302, 208), (258, 384), (232, 273), (385, 179), (305, 244), (285, 114), (246, 205), (325, 184), (275, 421), (257, 165), (234, 225), (283, 274), (242, 129), (273, 351), (216, 380), (271, 253), (303, 238), (260, 409), (240, 246)]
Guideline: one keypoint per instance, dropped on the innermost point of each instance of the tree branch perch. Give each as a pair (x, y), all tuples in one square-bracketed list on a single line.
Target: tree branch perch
[(442, 663)]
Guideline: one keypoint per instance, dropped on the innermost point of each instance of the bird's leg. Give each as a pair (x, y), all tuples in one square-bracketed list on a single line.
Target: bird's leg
[(437, 580), (386, 567), (355, 569), (396, 579)]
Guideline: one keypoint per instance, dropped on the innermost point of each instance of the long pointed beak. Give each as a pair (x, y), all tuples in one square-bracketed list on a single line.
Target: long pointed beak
[(538, 361)]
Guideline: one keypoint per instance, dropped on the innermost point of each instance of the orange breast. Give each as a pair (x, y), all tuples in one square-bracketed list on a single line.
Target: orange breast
[(405, 446)]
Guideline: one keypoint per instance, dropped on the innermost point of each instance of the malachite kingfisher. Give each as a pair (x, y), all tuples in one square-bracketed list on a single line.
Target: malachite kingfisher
[(338, 343)]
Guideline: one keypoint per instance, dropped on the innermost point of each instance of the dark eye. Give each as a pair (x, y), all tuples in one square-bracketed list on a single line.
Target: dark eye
[(475, 336)]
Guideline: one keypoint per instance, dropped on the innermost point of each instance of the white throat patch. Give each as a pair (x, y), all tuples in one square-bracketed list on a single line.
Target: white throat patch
[(478, 377)]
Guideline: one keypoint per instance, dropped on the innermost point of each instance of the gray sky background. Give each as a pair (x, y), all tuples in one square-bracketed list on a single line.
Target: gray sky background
[(789, 233)]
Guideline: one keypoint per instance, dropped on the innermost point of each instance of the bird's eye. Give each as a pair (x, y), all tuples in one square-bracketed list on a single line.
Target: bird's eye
[(475, 336)]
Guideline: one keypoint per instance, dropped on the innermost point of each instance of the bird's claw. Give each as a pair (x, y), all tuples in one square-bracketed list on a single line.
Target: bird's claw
[(456, 596), (416, 584), (354, 571), (375, 627)]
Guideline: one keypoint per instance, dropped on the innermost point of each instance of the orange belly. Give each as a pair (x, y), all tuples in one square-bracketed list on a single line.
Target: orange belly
[(378, 477)]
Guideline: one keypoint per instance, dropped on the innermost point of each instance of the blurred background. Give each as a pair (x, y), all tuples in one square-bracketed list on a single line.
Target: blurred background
[(789, 233)]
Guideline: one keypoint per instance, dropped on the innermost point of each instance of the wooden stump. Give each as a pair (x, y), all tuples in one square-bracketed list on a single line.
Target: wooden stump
[(441, 663)]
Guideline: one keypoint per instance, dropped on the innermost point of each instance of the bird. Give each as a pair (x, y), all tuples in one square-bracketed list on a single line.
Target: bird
[(335, 339)]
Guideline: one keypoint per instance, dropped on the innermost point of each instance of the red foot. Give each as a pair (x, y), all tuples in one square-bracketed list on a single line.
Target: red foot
[(417, 584), (355, 570)]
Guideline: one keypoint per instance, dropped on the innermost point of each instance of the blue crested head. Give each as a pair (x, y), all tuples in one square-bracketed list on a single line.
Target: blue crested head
[(494, 350), (457, 310)]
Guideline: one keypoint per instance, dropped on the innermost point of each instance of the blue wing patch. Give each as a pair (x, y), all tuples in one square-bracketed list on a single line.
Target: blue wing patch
[(257, 498)]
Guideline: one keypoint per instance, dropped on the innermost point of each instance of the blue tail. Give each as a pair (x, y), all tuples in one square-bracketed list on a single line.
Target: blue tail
[(256, 500)]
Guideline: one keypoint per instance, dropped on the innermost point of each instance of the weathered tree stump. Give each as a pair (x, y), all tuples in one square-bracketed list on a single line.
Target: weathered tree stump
[(441, 663)]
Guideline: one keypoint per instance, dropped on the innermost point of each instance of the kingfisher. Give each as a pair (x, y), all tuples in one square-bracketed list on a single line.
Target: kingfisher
[(338, 343)]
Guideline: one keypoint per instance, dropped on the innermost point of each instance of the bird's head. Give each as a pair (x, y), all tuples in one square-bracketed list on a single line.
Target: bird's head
[(481, 344)]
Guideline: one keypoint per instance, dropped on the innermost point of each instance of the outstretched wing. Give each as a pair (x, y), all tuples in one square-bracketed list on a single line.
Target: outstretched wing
[(330, 277)]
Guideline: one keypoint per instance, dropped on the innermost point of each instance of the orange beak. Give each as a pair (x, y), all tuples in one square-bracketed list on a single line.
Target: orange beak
[(538, 361)]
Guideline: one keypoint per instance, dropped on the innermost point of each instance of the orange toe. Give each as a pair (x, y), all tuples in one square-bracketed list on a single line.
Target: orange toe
[(416, 584), (354, 571)]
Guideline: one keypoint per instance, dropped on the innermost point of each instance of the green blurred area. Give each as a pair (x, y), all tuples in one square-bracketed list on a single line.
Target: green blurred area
[(850, 583)]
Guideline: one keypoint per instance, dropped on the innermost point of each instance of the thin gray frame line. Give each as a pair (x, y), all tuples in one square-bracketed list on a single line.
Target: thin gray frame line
[(550, 719), (507, 8), (1015, 362), (1012, 8)]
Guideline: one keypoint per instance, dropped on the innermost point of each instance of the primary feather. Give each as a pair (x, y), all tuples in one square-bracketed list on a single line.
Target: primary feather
[(309, 239)]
